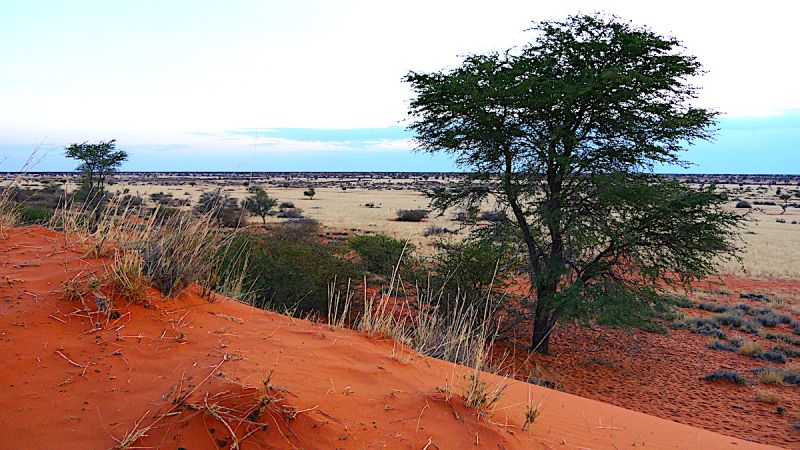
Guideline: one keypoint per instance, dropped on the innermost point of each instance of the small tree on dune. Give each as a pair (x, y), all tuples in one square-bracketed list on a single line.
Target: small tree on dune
[(564, 134), (98, 161), (260, 203), (310, 192)]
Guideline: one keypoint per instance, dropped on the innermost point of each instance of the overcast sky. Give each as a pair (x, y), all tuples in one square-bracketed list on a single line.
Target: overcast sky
[(316, 85)]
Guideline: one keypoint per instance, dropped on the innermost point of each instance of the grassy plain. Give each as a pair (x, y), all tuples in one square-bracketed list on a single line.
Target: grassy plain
[(771, 240)]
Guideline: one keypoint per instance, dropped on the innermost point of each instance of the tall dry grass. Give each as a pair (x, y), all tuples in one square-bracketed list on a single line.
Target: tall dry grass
[(9, 216), (175, 250), (461, 331), (9, 210)]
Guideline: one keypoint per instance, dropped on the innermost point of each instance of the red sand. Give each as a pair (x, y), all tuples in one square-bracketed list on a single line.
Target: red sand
[(69, 382), (661, 374)]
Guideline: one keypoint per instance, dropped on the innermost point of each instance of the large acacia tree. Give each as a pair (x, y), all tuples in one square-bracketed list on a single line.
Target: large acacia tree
[(564, 133)]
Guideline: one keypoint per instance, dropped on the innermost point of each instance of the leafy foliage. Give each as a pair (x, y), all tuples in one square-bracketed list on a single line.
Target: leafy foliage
[(34, 215), (98, 161), (379, 253), (468, 269), (284, 274), (563, 133), (260, 203)]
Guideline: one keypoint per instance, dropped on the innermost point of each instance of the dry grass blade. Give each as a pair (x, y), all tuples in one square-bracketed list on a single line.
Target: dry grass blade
[(128, 276), (531, 412), (480, 395), (134, 435)]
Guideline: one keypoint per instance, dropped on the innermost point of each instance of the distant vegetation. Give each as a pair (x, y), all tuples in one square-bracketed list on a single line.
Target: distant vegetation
[(411, 215)]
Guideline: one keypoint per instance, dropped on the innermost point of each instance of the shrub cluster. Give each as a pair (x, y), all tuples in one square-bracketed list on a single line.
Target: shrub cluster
[(34, 215), (727, 375), (706, 326), (411, 215), (288, 269), (379, 253)]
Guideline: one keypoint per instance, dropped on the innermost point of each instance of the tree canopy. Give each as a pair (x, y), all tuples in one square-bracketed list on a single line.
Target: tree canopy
[(260, 203), (98, 161), (564, 133)]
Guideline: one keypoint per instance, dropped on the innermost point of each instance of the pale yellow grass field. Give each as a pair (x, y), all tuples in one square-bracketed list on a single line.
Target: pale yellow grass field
[(771, 249), (336, 209)]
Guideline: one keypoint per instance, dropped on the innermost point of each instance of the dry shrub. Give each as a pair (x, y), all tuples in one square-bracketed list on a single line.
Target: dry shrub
[(461, 333), (81, 287), (9, 215), (176, 249), (480, 395), (128, 278), (411, 215), (749, 348), (9, 210), (773, 377), (770, 397), (339, 305), (181, 251)]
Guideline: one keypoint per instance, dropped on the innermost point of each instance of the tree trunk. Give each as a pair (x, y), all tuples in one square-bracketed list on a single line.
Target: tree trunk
[(540, 341), (542, 321)]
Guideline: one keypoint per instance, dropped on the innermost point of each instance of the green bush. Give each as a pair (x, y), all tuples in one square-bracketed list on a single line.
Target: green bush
[(303, 229), (35, 215), (284, 274), (379, 253), (467, 268)]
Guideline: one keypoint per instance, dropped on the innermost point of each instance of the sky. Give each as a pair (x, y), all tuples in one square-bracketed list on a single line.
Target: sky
[(316, 85)]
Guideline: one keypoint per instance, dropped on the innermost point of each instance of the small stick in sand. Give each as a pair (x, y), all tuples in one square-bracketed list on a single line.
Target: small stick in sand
[(69, 360)]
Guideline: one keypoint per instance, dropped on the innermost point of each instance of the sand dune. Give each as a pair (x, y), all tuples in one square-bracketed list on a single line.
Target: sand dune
[(189, 373)]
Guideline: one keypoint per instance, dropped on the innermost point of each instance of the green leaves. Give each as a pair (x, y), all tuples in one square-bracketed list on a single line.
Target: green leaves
[(98, 161), (562, 133), (260, 203)]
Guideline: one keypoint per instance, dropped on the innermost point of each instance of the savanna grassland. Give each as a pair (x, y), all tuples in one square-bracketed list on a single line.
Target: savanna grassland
[(361, 203)]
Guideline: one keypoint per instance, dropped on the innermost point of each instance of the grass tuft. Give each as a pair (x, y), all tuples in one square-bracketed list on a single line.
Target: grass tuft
[(772, 376), (771, 397), (749, 348), (128, 279)]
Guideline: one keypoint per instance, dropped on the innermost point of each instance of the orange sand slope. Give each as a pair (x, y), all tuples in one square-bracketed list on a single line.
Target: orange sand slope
[(188, 373)]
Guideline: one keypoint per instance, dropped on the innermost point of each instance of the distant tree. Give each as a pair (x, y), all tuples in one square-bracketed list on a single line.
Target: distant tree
[(260, 203), (310, 192), (563, 133), (98, 161), (785, 197)]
